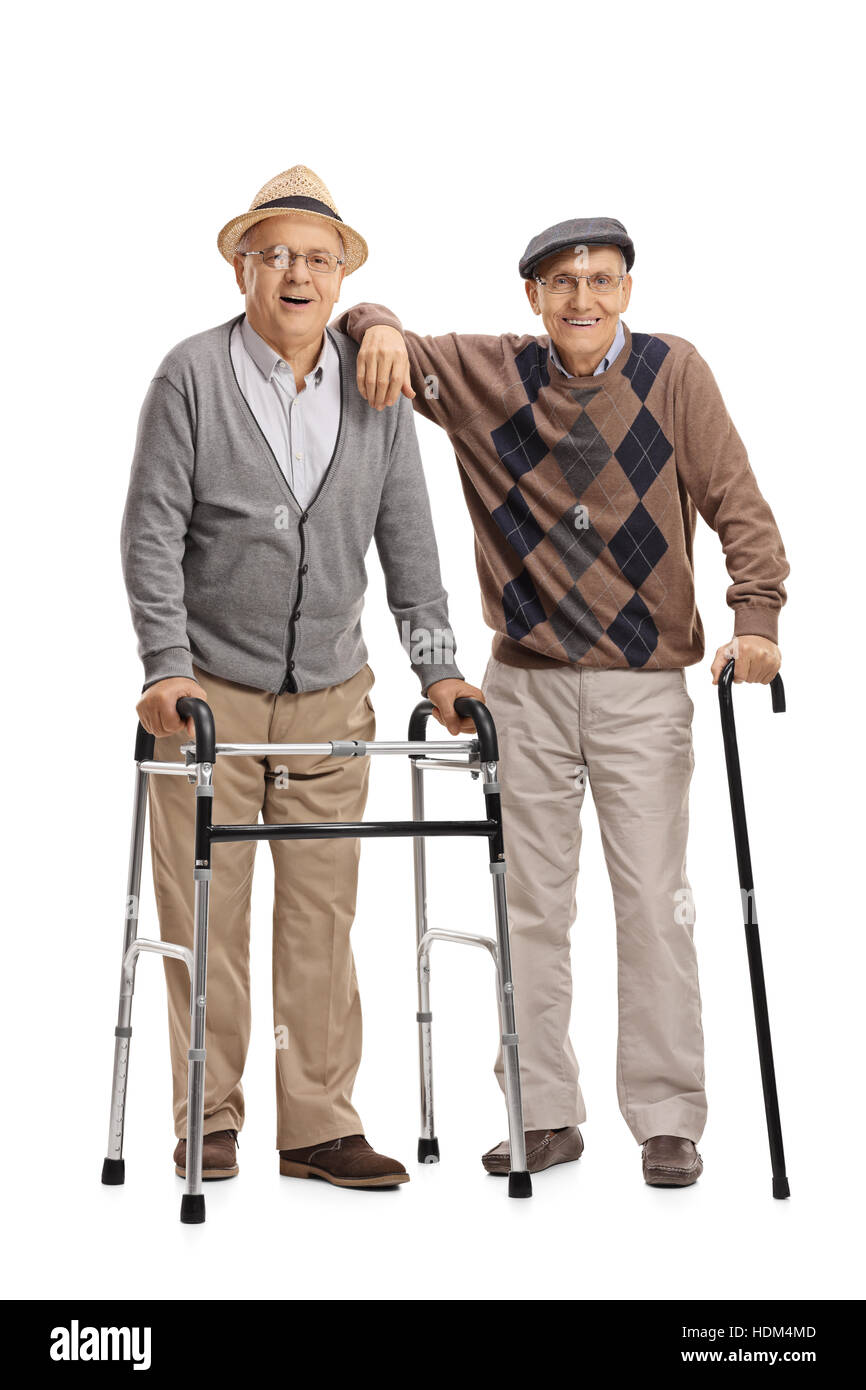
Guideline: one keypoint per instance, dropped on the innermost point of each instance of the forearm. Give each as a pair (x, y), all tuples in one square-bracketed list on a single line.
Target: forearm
[(446, 372), (355, 321)]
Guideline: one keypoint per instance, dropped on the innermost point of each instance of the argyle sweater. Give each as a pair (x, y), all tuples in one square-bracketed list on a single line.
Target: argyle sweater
[(584, 491)]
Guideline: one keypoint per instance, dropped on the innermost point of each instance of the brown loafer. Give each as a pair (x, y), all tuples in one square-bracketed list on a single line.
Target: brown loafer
[(217, 1156), (346, 1162), (544, 1149), (669, 1161)]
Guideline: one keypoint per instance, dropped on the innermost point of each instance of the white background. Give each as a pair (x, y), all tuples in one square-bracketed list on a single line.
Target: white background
[(727, 138)]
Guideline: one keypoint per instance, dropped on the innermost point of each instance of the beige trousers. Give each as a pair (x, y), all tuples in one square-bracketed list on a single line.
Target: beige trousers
[(317, 1009), (629, 733)]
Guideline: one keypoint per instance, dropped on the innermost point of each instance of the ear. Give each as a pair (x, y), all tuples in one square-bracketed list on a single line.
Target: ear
[(625, 293), (239, 263), (532, 295)]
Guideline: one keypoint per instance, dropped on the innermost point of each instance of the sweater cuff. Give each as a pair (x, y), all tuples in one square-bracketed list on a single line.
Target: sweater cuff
[(429, 675), (756, 620), (355, 321), (171, 661)]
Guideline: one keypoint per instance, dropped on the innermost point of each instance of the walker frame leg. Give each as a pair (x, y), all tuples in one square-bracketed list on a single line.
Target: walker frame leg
[(428, 1144), (519, 1180), (114, 1168), (192, 1207)]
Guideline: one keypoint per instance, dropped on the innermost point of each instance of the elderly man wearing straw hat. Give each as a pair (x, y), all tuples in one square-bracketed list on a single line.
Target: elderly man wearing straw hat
[(259, 479), (585, 455)]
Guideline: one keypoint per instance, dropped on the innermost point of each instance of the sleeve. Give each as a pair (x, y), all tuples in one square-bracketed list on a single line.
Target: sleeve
[(714, 466), (451, 374), (156, 517), (410, 560)]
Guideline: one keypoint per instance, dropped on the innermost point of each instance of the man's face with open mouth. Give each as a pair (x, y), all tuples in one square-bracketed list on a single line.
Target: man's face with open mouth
[(581, 322), (290, 306)]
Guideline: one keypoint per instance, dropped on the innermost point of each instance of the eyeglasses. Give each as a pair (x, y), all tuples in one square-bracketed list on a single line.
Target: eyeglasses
[(281, 258), (600, 283)]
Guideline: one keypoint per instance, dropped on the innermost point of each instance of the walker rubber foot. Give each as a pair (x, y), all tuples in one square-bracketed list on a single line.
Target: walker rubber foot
[(192, 1208), (113, 1172), (428, 1150), (781, 1188), (519, 1184)]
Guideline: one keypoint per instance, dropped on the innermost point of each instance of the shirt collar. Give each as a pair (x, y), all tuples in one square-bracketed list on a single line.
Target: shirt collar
[(612, 353), (268, 361)]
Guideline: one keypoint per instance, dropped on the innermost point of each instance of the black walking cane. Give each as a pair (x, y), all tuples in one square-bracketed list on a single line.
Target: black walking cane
[(750, 919)]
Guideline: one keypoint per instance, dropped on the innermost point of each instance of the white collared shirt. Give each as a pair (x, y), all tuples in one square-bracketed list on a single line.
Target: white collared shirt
[(613, 352), (300, 426)]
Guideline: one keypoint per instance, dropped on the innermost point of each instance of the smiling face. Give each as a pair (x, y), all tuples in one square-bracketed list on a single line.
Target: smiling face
[(581, 323), (289, 308)]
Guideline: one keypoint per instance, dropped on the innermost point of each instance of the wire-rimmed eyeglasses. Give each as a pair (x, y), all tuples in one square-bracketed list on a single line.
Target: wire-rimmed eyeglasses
[(281, 258), (600, 283)]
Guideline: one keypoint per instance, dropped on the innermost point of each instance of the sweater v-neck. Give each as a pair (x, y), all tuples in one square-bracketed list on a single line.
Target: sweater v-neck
[(249, 416), (559, 382)]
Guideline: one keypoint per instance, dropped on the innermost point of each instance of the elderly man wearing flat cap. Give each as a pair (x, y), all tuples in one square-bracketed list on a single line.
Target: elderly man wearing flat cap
[(259, 479), (584, 456)]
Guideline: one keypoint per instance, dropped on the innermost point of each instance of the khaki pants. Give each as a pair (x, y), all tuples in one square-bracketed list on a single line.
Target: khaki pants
[(631, 732), (317, 1009)]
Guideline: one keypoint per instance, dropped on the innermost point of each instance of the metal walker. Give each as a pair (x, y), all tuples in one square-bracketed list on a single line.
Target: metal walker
[(479, 755)]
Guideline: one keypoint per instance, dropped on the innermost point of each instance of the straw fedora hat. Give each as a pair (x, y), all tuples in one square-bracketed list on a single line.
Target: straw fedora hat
[(295, 190)]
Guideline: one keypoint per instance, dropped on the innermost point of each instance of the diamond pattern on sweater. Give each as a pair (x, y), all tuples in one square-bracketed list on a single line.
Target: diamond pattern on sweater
[(518, 442), (646, 356), (522, 606), (582, 455), (517, 524), (532, 369), (637, 546), (575, 625), (644, 452), (576, 547), (634, 632)]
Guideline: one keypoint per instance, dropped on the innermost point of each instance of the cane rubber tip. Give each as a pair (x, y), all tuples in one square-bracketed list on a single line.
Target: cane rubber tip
[(519, 1184), (781, 1188), (192, 1208), (428, 1150), (113, 1172)]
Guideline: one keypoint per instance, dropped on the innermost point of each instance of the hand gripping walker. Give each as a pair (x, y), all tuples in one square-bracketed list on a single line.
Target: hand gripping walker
[(481, 756)]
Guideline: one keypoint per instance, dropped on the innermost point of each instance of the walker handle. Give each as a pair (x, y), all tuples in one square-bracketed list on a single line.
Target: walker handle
[(188, 707), (467, 708), (477, 711)]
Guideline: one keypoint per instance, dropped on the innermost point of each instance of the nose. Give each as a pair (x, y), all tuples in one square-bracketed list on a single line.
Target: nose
[(298, 272), (582, 298)]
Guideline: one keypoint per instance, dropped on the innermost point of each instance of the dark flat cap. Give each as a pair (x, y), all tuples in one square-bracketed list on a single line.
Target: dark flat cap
[(577, 231)]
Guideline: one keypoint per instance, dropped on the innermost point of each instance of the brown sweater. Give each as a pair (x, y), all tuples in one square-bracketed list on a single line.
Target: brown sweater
[(583, 493)]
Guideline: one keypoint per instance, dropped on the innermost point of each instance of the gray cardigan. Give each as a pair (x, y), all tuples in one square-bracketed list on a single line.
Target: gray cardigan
[(223, 567)]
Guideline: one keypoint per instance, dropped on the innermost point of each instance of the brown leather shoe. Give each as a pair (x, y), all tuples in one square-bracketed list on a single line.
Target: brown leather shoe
[(669, 1161), (217, 1156), (346, 1162), (544, 1149)]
